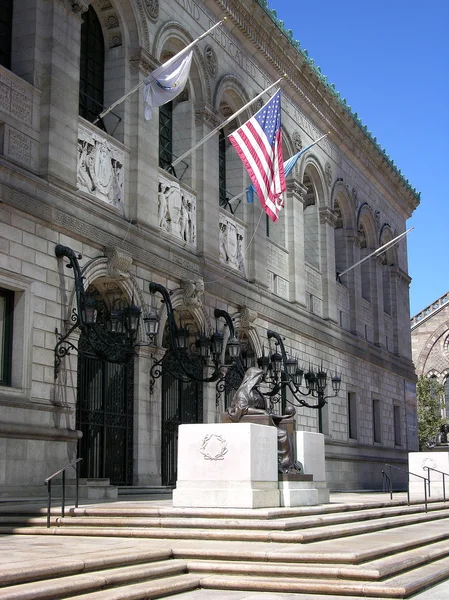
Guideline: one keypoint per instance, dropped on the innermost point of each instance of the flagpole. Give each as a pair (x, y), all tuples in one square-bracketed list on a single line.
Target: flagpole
[(167, 64), (228, 120), (300, 153), (378, 251)]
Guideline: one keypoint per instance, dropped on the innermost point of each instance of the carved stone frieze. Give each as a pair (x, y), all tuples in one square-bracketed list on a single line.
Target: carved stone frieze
[(277, 259), (377, 219), (355, 200), (100, 167), (16, 97), (119, 263), (328, 173), (176, 211), (211, 60), (231, 243)]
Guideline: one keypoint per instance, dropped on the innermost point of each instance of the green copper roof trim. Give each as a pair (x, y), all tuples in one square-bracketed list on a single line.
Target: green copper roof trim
[(331, 87)]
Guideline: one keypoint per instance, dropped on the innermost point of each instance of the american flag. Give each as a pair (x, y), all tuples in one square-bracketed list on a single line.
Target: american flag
[(259, 144)]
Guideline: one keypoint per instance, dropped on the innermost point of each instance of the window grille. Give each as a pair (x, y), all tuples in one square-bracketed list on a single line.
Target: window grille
[(5, 32), (91, 66)]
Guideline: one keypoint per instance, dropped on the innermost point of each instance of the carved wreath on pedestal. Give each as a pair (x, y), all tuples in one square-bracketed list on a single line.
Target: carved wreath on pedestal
[(208, 446)]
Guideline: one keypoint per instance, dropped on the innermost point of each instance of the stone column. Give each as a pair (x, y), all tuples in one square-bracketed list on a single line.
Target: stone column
[(208, 208), (328, 220), (142, 419), (378, 304), (400, 302), (356, 298), (295, 240), (352, 279), (57, 70), (143, 142)]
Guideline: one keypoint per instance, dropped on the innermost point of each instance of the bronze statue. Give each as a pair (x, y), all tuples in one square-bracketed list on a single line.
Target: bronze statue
[(248, 402)]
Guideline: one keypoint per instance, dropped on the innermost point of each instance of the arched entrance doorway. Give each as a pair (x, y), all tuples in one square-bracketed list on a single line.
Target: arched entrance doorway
[(182, 403), (104, 410)]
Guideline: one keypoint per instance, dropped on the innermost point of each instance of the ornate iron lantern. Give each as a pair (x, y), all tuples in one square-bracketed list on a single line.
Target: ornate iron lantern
[(109, 335), (187, 361)]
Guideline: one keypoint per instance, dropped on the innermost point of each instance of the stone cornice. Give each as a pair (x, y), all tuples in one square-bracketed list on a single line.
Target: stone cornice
[(297, 189), (401, 275), (142, 61), (77, 6), (206, 114), (307, 82), (329, 216)]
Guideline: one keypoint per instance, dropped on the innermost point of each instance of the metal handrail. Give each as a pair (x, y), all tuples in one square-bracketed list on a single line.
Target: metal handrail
[(49, 480), (425, 481), (443, 474), (386, 484)]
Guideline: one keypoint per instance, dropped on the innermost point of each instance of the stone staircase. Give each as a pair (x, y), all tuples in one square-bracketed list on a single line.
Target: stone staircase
[(377, 549)]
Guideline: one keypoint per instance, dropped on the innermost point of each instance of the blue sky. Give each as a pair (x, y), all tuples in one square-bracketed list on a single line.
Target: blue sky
[(390, 60)]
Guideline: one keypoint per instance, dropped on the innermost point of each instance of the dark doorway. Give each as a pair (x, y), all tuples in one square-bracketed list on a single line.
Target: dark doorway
[(104, 413), (182, 402)]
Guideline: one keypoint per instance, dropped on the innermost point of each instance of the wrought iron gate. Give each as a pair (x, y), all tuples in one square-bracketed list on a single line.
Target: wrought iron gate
[(104, 413), (182, 402)]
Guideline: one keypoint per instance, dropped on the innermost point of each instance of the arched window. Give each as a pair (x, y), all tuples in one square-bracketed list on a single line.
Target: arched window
[(91, 66), (222, 168), (311, 226), (166, 137), (5, 32)]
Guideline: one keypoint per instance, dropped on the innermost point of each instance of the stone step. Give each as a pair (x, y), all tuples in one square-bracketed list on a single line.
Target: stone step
[(192, 529), (160, 588), (72, 585), (142, 490), (220, 513), (170, 518), (400, 586), (43, 569), (373, 570)]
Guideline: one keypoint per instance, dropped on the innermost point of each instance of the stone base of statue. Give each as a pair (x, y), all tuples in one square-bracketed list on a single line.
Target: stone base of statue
[(310, 452), (297, 490), (227, 466), (437, 458)]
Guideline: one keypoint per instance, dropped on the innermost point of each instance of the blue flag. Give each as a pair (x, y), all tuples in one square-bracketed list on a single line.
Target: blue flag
[(288, 167)]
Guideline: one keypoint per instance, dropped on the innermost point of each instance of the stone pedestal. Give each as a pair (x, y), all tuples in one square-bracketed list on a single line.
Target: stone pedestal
[(227, 466), (297, 490), (310, 452), (435, 460)]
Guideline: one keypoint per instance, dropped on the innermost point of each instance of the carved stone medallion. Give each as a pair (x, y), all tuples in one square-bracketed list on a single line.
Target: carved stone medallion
[(211, 60), (152, 8), (297, 141)]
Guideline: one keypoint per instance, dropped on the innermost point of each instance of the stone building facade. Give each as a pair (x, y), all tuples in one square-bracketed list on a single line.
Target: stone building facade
[(107, 191), (430, 344)]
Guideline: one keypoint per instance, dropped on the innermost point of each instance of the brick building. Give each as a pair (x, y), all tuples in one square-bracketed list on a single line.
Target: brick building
[(106, 191)]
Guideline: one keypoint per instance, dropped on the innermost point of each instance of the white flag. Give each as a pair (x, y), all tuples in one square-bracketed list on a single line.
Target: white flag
[(166, 82)]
